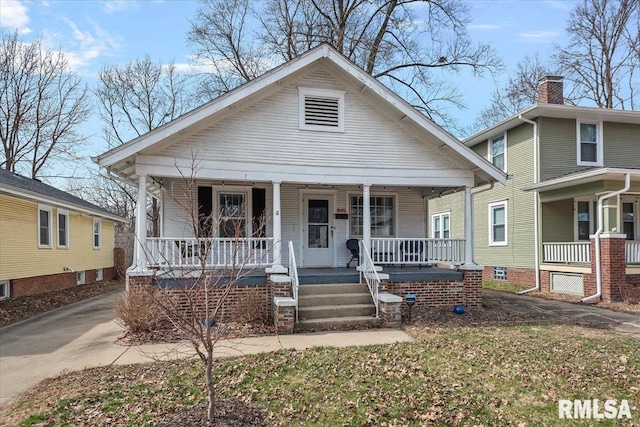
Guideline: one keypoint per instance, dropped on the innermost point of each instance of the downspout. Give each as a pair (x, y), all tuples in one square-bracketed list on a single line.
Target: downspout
[(536, 240), (627, 185)]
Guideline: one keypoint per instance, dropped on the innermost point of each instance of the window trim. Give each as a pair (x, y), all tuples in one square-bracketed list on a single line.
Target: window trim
[(326, 93), (99, 274), (376, 194), (441, 216), (492, 206), (248, 206), (48, 209), (7, 285), (593, 217), (504, 152), (98, 221), (599, 143), (65, 213), (81, 277)]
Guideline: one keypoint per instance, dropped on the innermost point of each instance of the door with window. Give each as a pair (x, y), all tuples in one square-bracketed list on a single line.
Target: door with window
[(318, 244)]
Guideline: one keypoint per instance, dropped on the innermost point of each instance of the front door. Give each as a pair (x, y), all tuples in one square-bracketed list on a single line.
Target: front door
[(318, 231)]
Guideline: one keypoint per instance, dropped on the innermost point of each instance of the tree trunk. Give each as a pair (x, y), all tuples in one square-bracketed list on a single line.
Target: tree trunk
[(211, 408)]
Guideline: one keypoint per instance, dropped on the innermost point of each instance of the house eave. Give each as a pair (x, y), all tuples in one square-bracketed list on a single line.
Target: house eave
[(584, 177)]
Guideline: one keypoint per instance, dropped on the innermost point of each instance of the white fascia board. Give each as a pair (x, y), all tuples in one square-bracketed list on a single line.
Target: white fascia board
[(582, 178), (57, 203), (250, 172), (201, 113)]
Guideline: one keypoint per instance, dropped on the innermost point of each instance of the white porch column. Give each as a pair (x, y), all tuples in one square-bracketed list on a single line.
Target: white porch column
[(468, 227), (277, 225), (366, 216), (141, 225)]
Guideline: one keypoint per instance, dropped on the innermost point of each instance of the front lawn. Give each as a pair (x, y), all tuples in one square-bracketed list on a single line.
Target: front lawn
[(452, 375), (502, 286)]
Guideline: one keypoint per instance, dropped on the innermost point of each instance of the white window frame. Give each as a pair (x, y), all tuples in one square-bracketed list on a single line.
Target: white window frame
[(593, 217), (50, 226), (325, 93), (599, 144), (64, 213), (80, 277), (6, 284), (504, 152), (248, 207), (492, 206), (99, 275), (440, 217), (93, 233), (395, 197)]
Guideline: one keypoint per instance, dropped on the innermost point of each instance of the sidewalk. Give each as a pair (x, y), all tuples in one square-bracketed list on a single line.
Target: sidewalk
[(84, 334)]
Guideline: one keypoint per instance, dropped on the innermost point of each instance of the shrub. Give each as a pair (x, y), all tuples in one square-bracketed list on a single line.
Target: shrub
[(137, 311)]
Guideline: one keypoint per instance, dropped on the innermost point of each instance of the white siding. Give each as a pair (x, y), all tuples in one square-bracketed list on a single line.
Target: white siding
[(267, 132)]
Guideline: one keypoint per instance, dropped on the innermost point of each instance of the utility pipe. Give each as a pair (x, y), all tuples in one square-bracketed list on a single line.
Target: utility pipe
[(627, 185), (536, 240)]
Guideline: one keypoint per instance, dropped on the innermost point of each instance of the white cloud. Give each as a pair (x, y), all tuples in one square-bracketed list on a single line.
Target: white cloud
[(111, 6), (89, 44), (484, 27), (14, 16), (540, 36)]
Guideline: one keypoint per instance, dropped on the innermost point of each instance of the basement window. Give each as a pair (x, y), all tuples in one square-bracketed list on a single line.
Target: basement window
[(321, 110), (499, 273), (80, 277), (99, 275), (5, 289)]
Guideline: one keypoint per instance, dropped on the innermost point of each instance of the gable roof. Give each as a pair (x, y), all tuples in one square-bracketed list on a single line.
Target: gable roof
[(32, 189), (559, 111), (121, 160)]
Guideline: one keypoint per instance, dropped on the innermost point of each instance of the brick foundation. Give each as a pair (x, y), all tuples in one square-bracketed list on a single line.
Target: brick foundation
[(53, 282), (515, 276), (472, 280)]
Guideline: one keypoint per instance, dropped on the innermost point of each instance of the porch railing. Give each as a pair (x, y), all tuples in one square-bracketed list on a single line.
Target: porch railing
[(293, 275), (417, 251), (173, 252), (567, 252), (368, 271), (632, 250)]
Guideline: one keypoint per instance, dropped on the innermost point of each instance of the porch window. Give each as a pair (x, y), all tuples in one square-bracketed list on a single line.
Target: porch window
[(586, 217), (497, 152), (382, 216), (440, 225), (232, 215), (44, 226), (498, 224), (628, 220), (589, 144), (63, 229), (96, 233)]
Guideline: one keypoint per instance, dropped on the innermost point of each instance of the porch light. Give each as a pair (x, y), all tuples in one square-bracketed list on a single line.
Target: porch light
[(410, 299)]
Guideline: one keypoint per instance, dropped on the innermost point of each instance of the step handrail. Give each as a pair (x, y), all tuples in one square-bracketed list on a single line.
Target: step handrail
[(293, 275), (368, 270)]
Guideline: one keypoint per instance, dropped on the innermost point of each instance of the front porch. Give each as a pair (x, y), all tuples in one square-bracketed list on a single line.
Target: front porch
[(579, 253)]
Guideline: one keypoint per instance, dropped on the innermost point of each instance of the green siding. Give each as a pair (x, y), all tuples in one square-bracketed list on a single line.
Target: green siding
[(557, 221), (557, 147), (482, 149), (620, 140), (453, 203)]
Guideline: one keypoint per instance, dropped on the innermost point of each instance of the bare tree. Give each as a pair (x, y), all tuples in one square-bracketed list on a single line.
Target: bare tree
[(195, 299), (42, 103), (601, 59), (135, 99), (400, 42)]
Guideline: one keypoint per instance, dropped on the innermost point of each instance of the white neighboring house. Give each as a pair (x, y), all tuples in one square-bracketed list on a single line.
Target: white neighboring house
[(323, 149)]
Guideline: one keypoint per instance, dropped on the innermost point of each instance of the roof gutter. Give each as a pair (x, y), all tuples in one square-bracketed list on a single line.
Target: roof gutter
[(536, 227), (627, 185)]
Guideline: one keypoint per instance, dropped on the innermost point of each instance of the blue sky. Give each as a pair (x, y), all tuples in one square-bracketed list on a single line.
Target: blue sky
[(97, 33)]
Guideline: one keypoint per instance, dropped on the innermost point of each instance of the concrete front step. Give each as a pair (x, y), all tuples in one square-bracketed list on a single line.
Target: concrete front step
[(332, 323), (332, 311), (332, 288), (335, 299)]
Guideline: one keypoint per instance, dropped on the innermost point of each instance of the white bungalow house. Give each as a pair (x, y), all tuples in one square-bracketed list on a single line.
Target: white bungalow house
[(324, 150)]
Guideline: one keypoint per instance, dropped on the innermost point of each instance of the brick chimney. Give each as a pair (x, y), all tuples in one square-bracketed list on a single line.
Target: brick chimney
[(550, 90)]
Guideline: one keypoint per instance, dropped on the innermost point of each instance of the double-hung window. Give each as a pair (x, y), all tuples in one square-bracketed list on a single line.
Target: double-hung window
[(498, 151), (440, 225), (63, 229), (96, 233), (589, 144), (382, 216), (44, 226), (498, 224), (232, 215)]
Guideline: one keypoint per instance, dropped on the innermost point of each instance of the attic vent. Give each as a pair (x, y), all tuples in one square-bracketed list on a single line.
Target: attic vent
[(321, 110)]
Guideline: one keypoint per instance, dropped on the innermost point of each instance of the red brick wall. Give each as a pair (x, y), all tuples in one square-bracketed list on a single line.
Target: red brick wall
[(472, 288), (441, 294), (515, 276), (52, 282)]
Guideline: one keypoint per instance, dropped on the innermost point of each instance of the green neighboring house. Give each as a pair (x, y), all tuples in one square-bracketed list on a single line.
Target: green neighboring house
[(560, 160)]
